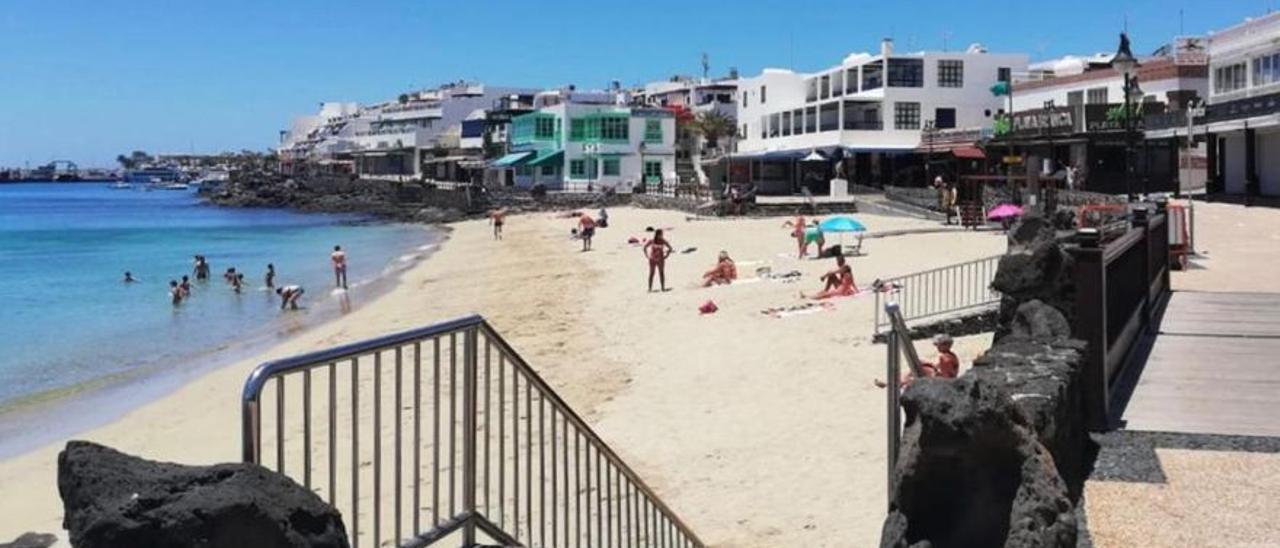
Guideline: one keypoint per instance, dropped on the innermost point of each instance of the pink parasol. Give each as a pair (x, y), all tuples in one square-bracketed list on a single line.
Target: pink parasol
[(1004, 211)]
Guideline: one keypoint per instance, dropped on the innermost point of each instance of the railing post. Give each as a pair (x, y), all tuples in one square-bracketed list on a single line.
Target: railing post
[(892, 409), (1142, 220), (1091, 325), (469, 374)]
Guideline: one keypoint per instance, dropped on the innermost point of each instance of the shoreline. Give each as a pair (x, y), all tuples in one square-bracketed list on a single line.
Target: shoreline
[(33, 420)]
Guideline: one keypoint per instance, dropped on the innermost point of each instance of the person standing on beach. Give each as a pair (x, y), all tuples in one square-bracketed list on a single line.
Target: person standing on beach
[(798, 232), (496, 219), (657, 251), (339, 258), (201, 270), (588, 229), (175, 292), (289, 296), (271, 276)]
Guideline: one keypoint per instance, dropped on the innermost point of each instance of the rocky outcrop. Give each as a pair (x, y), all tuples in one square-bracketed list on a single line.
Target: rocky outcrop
[(31, 540), (113, 499), (1036, 267)]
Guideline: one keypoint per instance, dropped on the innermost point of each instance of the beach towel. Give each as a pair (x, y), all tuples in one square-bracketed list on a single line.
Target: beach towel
[(798, 310)]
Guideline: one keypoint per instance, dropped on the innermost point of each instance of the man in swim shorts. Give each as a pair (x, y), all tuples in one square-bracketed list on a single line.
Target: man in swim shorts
[(339, 258), (289, 296)]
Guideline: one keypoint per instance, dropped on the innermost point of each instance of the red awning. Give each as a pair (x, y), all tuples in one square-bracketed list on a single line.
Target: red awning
[(969, 153)]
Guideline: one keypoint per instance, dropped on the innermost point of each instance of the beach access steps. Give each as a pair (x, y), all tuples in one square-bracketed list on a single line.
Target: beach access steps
[(446, 433)]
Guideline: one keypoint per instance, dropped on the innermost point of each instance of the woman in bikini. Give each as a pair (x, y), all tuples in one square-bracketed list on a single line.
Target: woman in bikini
[(724, 273), (844, 288), (657, 251), (798, 232)]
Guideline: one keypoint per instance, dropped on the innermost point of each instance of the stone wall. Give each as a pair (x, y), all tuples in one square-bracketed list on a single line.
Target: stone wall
[(996, 194), (998, 457)]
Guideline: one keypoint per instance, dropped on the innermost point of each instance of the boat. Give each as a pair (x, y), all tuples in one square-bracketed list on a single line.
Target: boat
[(173, 186), (153, 175)]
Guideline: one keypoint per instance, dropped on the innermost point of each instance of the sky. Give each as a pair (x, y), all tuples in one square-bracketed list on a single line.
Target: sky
[(85, 80)]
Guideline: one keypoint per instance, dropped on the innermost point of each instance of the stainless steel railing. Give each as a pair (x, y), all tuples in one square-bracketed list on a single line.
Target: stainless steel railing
[(941, 291), (473, 442)]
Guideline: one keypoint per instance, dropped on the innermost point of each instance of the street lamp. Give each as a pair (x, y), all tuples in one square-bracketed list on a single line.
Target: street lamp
[(930, 128), (1126, 64)]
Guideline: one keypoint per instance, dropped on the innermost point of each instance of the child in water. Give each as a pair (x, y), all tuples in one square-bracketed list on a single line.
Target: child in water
[(175, 292)]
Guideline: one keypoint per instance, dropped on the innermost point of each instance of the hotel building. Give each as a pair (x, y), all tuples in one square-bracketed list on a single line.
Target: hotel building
[(868, 116)]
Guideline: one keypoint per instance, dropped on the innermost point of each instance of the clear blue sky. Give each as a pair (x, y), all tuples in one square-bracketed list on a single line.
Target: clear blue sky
[(87, 79)]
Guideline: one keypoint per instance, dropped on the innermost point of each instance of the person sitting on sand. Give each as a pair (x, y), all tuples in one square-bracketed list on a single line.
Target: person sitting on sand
[(602, 220), (839, 282), (724, 273), (797, 232), (175, 293), (947, 366), (496, 219), (657, 251), (588, 229), (128, 277), (289, 296)]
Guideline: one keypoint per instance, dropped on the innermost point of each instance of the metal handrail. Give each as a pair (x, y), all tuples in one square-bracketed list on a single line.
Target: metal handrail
[(941, 291), (625, 510), (899, 344)]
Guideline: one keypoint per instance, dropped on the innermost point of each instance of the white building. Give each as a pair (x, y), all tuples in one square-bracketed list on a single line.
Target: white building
[(587, 142), (1242, 120), (867, 114)]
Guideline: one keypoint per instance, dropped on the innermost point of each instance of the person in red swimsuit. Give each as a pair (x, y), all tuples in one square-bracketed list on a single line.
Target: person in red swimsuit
[(724, 273), (496, 218), (587, 227), (947, 366), (797, 232), (657, 251)]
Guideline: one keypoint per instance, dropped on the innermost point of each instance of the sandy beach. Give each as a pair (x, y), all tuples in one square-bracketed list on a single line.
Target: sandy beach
[(758, 431)]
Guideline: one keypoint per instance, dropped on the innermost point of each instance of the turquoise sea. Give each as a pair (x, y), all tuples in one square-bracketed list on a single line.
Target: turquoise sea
[(68, 321)]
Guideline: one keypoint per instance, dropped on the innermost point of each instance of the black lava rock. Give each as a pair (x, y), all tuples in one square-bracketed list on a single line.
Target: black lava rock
[(31, 540), (114, 499)]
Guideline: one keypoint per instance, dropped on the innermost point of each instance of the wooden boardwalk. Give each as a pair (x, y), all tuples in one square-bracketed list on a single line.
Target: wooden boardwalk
[(1214, 367)]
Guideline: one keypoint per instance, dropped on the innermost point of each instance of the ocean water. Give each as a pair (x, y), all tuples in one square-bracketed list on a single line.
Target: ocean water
[(67, 320)]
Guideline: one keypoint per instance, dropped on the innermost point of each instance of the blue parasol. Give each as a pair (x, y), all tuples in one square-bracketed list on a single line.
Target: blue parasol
[(841, 224)]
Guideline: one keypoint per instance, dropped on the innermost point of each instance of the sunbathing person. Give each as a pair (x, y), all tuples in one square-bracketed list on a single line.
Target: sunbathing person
[(724, 273), (831, 279), (947, 365), (844, 286)]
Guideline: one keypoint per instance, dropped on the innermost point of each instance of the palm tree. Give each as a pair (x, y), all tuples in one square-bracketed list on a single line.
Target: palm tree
[(712, 125)]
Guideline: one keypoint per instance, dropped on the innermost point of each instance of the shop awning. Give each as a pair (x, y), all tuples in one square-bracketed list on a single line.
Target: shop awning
[(447, 159), (969, 153), (513, 159), (552, 158)]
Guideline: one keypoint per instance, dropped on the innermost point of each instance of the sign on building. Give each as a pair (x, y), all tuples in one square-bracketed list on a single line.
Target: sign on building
[(1190, 50)]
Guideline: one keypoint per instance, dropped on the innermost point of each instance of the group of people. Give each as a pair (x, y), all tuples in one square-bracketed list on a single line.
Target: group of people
[(806, 234), (180, 291)]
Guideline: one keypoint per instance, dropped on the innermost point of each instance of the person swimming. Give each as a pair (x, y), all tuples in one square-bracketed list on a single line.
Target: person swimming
[(289, 296), (229, 276), (271, 276), (185, 286), (128, 277), (175, 292), (201, 269), (657, 251), (237, 282)]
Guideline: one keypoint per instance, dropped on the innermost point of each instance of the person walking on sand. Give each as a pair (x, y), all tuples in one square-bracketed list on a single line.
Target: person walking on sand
[(657, 251), (946, 366), (289, 296), (271, 276), (496, 218), (339, 258), (587, 229), (175, 292)]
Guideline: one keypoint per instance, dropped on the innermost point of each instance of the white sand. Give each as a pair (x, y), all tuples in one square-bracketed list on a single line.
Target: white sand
[(757, 431)]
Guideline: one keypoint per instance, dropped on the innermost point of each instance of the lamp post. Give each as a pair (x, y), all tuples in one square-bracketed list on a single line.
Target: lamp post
[(1125, 63), (930, 128)]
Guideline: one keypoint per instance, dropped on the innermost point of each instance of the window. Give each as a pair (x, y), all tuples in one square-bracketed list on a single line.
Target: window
[(612, 166), (829, 117), (810, 119), (944, 118), (811, 90), (763, 97), (764, 126), (653, 131), (744, 100), (577, 168), (615, 128), (745, 132), (1266, 69), (786, 124), (906, 116), (652, 171), (1097, 96), (1229, 78), (837, 83), (549, 169), (950, 73), (546, 128), (824, 87), (851, 80), (797, 121), (906, 73), (872, 75), (1004, 74), (775, 125), (577, 129), (1075, 98)]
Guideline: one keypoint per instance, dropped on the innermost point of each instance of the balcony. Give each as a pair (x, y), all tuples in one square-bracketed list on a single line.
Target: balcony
[(411, 111), (863, 125)]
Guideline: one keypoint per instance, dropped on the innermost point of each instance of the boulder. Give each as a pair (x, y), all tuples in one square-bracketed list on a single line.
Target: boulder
[(1035, 320), (31, 540), (114, 499), (1035, 268), (972, 473)]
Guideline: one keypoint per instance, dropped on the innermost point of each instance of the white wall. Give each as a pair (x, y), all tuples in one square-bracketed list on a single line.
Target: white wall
[(1233, 175), (1268, 157)]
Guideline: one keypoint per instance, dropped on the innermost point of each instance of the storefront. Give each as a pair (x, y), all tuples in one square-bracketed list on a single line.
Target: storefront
[(1243, 138)]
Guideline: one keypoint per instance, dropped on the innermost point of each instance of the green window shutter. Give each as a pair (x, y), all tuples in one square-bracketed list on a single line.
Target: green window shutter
[(653, 131), (612, 166), (577, 129), (577, 168)]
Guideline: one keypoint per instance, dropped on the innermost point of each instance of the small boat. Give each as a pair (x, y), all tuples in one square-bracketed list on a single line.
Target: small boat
[(119, 185), (174, 186)]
